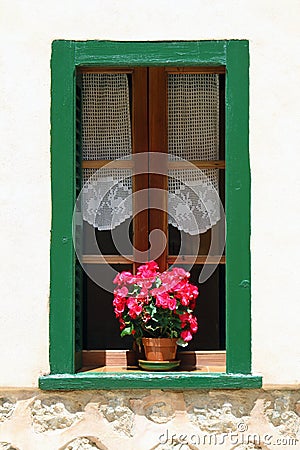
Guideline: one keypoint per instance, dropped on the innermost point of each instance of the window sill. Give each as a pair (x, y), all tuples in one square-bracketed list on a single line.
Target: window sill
[(149, 380)]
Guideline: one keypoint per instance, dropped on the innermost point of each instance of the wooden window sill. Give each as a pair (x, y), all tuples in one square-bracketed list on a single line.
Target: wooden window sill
[(125, 360), (118, 369), (136, 369)]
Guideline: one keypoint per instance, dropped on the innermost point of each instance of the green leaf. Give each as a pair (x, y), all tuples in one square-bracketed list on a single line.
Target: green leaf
[(158, 282), (151, 309), (126, 331), (152, 327), (181, 342)]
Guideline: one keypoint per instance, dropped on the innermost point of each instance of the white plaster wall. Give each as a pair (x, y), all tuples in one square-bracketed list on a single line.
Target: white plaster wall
[(27, 30)]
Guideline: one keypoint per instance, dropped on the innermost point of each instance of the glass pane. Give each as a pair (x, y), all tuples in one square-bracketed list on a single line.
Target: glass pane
[(195, 133), (193, 116), (106, 135), (101, 328), (106, 127), (109, 242), (187, 244)]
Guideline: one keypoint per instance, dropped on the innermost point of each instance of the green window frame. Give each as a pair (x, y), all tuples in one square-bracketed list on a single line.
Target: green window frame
[(66, 56)]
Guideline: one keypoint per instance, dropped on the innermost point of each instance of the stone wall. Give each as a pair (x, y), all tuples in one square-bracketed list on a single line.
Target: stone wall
[(144, 420)]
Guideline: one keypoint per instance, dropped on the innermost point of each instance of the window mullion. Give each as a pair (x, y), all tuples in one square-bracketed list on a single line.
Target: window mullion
[(158, 177), (140, 138)]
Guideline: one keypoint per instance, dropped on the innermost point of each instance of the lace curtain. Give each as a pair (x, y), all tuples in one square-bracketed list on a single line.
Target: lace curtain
[(193, 134)]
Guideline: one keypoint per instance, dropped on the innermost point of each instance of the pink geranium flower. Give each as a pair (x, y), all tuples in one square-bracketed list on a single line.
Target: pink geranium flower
[(186, 335), (119, 305), (121, 292), (122, 323), (148, 271), (156, 304), (162, 300), (134, 308), (190, 320), (124, 277), (172, 303)]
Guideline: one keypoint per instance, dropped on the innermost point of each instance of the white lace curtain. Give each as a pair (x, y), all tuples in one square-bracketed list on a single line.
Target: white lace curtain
[(193, 134)]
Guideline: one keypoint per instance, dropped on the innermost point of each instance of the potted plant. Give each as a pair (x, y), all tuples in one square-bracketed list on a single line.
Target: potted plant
[(156, 308)]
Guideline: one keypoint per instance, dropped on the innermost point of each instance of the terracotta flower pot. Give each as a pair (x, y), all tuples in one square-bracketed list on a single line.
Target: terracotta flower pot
[(160, 349)]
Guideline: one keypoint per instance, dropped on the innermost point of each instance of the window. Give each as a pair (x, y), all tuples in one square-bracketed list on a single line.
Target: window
[(145, 114), (154, 61)]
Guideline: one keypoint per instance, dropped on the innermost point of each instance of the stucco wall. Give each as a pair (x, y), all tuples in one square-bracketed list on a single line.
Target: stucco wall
[(27, 31)]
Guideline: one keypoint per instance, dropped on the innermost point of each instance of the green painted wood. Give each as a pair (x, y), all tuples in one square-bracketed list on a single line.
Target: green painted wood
[(166, 380), (78, 233), (150, 53), (63, 195), (66, 55), (238, 307)]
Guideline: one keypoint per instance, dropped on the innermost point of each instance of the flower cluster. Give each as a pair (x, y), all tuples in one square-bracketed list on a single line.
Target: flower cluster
[(154, 304)]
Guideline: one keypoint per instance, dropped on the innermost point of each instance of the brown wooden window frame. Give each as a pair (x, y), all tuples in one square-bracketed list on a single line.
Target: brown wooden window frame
[(149, 134)]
